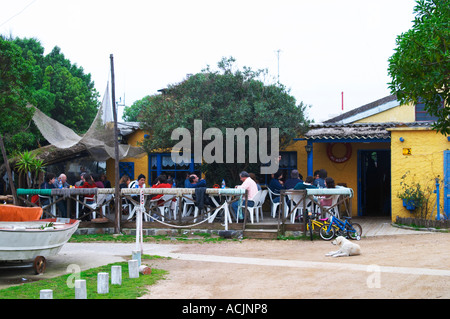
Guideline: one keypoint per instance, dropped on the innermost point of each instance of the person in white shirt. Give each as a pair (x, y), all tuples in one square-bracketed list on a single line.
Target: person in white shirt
[(251, 187)]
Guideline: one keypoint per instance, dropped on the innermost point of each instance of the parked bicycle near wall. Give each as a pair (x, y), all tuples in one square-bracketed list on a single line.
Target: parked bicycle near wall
[(337, 227)]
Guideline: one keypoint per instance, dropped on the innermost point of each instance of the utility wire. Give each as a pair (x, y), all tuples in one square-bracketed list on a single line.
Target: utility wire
[(18, 13)]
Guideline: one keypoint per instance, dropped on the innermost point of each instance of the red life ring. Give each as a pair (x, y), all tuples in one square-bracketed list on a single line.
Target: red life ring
[(342, 159)]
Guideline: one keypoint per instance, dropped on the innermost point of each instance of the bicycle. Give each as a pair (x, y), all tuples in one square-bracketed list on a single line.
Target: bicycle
[(340, 228), (313, 223)]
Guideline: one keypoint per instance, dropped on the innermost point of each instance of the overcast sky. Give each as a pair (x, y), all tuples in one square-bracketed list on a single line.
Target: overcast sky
[(319, 48)]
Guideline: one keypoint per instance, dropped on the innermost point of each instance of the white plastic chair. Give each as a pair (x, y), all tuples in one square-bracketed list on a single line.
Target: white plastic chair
[(50, 204), (295, 209), (102, 200), (333, 209), (262, 199), (275, 205), (93, 206), (188, 205), (254, 209), (298, 211), (127, 204), (166, 206)]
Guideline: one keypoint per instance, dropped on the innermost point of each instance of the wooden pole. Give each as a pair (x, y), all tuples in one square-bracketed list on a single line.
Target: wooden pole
[(117, 200), (8, 170)]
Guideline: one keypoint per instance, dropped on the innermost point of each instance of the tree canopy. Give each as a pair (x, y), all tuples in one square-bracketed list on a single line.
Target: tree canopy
[(420, 66), (16, 77), (50, 82), (225, 98)]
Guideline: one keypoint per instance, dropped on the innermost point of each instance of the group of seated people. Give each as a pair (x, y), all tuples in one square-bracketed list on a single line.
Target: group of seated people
[(249, 182), (87, 180), (320, 180)]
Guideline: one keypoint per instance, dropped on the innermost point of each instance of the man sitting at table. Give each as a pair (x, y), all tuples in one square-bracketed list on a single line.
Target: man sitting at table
[(195, 182), (251, 187)]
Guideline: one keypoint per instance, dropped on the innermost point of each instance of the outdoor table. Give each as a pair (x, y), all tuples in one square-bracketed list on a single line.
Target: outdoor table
[(179, 193), (66, 193), (312, 193), (230, 194)]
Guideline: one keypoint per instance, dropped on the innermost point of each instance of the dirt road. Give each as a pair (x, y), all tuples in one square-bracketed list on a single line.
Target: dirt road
[(396, 266), (401, 266)]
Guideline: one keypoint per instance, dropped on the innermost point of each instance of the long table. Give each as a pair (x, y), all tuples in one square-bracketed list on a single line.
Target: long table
[(59, 194), (130, 194)]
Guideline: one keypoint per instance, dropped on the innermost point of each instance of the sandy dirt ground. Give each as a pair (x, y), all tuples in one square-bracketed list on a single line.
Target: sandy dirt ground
[(400, 266)]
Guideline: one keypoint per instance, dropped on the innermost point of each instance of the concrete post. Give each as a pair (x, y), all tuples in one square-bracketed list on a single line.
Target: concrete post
[(133, 268), (80, 289), (102, 283), (136, 254), (116, 275), (46, 294)]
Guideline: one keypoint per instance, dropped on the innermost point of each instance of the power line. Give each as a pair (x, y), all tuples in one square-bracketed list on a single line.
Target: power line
[(18, 13)]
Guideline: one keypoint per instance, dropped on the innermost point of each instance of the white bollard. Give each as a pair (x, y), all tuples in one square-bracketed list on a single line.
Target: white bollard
[(116, 275), (80, 289), (136, 254), (46, 294), (102, 283), (133, 269)]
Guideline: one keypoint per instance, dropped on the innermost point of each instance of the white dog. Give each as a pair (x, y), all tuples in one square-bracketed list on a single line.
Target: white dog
[(346, 248)]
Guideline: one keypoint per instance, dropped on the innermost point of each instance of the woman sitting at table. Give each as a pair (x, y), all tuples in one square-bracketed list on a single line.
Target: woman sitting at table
[(161, 182), (327, 200), (89, 198)]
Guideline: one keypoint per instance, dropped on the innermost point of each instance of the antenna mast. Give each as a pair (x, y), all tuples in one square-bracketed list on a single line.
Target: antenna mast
[(278, 59)]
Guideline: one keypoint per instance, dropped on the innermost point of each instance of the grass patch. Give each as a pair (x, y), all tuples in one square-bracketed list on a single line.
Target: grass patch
[(302, 237), (121, 238), (131, 288)]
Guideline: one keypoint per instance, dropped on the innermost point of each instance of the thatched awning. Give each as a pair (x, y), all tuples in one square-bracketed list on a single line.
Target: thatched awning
[(50, 154)]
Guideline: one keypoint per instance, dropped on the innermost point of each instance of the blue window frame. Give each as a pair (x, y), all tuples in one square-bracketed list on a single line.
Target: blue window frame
[(287, 163), (126, 168), (161, 163)]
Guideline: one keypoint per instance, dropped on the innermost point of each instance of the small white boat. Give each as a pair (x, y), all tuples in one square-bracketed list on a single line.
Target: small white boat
[(34, 240)]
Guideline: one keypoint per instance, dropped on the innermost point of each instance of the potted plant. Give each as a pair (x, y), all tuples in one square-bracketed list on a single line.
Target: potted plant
[(412, 194)]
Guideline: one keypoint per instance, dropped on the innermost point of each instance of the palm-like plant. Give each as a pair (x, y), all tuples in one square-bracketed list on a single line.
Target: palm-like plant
[(29, 165)]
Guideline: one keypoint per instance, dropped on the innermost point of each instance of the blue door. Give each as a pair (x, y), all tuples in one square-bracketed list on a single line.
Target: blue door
[(446, 182)]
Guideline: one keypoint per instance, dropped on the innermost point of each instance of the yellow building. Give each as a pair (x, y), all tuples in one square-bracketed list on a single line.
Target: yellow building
[(368, 149), (375, 146)]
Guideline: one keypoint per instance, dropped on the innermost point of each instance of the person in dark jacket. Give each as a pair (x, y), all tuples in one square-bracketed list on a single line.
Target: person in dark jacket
[(294, 180)]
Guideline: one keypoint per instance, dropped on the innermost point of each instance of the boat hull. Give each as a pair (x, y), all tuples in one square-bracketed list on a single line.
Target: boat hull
[(28, 240)]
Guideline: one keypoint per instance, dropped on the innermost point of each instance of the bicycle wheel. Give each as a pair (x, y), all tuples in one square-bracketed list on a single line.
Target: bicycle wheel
[(354, 231), (326, 232), (310, 226)]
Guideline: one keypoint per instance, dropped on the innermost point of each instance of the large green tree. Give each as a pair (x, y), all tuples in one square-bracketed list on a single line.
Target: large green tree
[(50, 82), (225, 98), (60, 89), (16, 77), (420, 66)]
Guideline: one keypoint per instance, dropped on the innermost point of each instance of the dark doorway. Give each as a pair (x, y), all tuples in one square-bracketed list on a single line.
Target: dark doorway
[(374, 183)]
